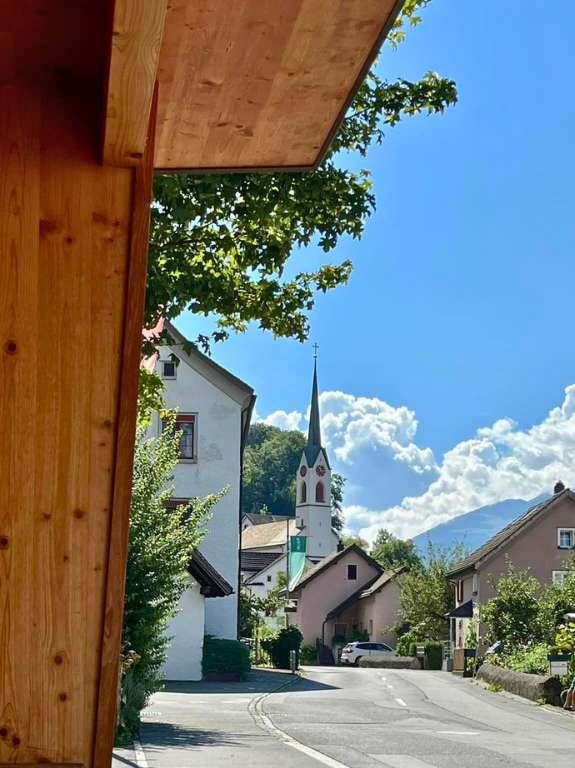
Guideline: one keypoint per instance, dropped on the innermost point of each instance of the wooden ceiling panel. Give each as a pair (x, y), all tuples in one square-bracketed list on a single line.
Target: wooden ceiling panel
[(256, 84)]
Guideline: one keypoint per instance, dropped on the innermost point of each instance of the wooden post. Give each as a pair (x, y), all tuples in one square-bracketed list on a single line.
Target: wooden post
[(73, 246)]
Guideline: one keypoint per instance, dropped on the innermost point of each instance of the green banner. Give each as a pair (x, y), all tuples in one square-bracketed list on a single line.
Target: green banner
[(296, 562)]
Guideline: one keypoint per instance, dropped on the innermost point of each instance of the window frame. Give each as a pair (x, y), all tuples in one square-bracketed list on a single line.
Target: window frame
[(459, 591), (560, 573), (162, 373), (319, 492), (186, 418), (571, 532), (354, 566)]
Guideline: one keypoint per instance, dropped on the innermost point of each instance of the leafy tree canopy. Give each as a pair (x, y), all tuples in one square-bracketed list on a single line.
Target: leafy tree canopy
[(427, 595), (347, 540), (220, 244), (391, 552)]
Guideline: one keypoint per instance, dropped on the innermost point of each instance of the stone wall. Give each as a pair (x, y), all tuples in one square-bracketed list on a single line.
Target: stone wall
[(534, 687)]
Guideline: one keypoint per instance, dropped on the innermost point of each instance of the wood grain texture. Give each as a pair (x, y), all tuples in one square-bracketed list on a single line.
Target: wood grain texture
[(260, 83), (126, 419), (138, 27), (66, 230)]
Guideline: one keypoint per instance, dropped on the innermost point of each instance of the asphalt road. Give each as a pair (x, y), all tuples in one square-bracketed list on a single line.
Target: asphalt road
[(351, 718)]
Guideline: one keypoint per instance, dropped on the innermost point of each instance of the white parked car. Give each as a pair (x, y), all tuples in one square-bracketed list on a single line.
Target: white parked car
[(353, 652)]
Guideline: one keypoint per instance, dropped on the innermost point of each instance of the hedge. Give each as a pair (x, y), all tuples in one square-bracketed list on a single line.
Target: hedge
[(433, 651), (279, 647), (225, 656)]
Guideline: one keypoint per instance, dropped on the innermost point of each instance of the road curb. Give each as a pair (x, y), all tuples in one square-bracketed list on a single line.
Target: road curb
[(265, 722)]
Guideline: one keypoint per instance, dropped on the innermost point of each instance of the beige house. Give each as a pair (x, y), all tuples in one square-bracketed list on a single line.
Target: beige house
[(541, 540), (346, 592)]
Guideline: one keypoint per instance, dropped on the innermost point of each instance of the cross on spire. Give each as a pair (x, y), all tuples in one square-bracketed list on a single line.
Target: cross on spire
[(315, 349)]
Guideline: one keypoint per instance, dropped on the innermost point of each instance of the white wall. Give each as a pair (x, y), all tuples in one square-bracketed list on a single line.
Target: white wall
[(218, 438), (321, 540), (184, 660), (272, 570)]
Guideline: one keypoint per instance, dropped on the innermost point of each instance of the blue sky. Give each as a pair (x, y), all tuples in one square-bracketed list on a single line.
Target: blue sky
[(459, 308)]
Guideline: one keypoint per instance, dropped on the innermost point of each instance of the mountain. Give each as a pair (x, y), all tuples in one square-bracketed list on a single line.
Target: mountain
[(474, 528)]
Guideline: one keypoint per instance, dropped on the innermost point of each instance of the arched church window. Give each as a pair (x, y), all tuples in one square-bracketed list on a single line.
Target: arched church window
[(319, 493), (303, 494)]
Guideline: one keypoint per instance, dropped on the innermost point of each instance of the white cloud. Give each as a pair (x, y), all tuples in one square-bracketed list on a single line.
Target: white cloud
[(284, 420), (396, 483), (500, 462)]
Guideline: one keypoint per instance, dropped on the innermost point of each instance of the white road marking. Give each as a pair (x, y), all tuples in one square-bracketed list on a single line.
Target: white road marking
[(401, 761), (460, 733), (265, 722), (140, 755), (401, 702)]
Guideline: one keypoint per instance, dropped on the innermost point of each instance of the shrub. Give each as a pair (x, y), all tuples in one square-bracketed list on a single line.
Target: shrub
[(161, 543), (225, 656), (308, 654), (408, 642), (279, 647), (433, 654), (512, 616), (532, 659)]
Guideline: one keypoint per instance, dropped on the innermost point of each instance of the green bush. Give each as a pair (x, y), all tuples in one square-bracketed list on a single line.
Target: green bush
[(532, 659), (308, 654), (408, 642), (433, 650), (225, 656), (279, 647)]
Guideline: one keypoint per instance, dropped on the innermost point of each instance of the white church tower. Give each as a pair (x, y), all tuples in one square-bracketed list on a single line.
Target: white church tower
[(313, 483)]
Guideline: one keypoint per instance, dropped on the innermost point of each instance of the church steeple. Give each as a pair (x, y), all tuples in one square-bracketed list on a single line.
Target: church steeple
[(314, 445), (313, 485)]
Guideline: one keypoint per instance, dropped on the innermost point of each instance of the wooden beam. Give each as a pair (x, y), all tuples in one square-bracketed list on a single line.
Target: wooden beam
[(118, 547), (261, 84), (73, 236), (138, 28)]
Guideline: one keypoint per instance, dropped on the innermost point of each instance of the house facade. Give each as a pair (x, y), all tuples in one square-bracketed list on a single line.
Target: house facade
[(213, 412), (541, 540), (325, 587), (374, 608)]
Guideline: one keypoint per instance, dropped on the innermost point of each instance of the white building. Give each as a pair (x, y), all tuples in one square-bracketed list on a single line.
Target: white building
[(214, 410), (264, 544)]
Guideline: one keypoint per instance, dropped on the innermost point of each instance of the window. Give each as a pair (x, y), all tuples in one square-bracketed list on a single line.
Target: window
[(352, 572), (559, 576), (566, 538), (269, 577), (186, 424), (319, 493), (340, 629), (303, 494), (475, 584), (168, 369), (174, 503), (459, 591), (370, 627)]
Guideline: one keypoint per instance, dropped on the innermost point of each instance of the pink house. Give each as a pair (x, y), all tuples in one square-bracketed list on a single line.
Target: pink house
[(345, 592), (541, 540)]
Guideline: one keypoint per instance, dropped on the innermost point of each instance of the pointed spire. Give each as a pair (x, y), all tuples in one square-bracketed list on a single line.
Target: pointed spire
[(314, 432)]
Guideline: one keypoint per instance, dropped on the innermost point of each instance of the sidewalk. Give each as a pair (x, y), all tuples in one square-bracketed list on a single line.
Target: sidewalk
[(208, 724)]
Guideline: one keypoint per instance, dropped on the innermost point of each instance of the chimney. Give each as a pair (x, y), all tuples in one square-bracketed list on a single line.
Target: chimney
[(558, 487)]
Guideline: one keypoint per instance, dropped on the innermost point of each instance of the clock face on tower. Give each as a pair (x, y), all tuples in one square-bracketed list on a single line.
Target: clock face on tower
[(320, 470), (303, 471)]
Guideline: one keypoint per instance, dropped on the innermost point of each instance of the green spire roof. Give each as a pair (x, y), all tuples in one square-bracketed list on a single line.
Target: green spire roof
[(314, 445)]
